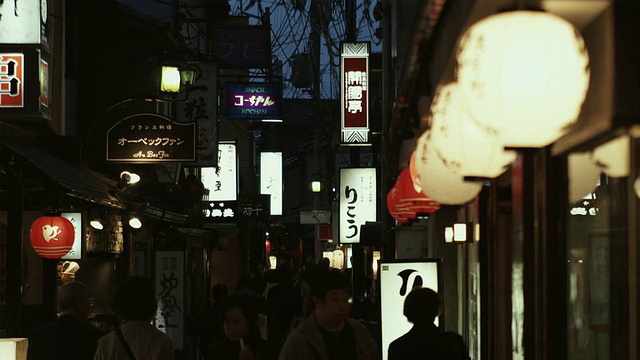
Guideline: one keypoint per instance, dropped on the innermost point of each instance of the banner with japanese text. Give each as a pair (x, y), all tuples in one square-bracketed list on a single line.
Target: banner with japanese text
[(170, 315), (358, 202)]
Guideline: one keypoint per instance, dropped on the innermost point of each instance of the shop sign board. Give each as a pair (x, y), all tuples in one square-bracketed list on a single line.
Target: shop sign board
[(222, 180), (254, 101), (255, 207), (169, 281), (271, 179), (24, 22), (220, 211), (76, 249), (397, 279), (24, 82), (358, 202), (242, 46), (354, 100), (151, 138)]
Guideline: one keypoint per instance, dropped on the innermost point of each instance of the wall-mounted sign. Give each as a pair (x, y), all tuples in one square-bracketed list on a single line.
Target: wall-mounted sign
[(358, 201), (254, 207), (354, 79), (242, 46), (151, 138), (397, 279), (220, 211), (222, 181), (11, 80), (254, 101), (169, 274), (24, 22), (315, 216), (271, 179), (201, 107), (76, 249)]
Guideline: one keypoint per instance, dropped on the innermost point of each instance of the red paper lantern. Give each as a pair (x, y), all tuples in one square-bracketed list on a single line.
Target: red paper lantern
[(267, 245), (52, 236), (405, 202)]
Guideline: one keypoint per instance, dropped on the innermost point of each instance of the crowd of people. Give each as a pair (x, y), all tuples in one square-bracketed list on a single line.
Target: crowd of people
[(269, 317)]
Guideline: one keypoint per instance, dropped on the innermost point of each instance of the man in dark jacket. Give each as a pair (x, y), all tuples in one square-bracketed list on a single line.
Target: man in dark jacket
[(425, 341), (70, 336)]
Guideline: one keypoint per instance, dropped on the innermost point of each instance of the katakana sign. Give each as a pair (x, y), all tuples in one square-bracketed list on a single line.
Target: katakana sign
[(254, 101)]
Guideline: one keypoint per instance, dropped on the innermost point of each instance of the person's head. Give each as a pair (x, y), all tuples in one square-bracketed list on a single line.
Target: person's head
[(74, 299), (325, 263), (331, 297), (135, 299), (219, 292), (421, 306), (240, 318)]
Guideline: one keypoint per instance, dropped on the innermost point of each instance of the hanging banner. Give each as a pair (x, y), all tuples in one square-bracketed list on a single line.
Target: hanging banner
[(358, 201), (169, 277), (354, 79), (397, 279), (271, 179)]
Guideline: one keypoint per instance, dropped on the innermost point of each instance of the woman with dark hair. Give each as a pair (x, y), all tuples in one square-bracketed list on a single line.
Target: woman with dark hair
[(134, 301), (242, 339)]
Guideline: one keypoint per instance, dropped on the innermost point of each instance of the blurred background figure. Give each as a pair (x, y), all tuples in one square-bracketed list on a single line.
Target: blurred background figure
[(71, 336), (242, 340), (211, 319), (425, 340)]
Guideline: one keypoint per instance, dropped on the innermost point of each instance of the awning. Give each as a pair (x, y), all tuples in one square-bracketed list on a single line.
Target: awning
[(79, 182)]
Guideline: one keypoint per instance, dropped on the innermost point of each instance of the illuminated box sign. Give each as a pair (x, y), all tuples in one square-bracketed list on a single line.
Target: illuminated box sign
[(151, 138), (254, 101), (76, 250), (271, 179), (358, 202), (242, 46), (222, 180), (354, 79), (11, 80), (220, 211), (24, 22), (24, 82), (397, 279), (255, 207)]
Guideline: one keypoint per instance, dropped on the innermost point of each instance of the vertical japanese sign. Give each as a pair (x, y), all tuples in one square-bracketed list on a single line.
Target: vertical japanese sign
[(76, 250), (169, 276), (354, 79), (397, 279), (222, 180), (22, 22), (271, 179), (11, 80), (201, 107), (358, 202)]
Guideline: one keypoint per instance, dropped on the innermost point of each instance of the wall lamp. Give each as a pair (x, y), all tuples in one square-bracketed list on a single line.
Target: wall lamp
[(462, 232), (129, 178), (96, 223), (134, 221), (173, 76)]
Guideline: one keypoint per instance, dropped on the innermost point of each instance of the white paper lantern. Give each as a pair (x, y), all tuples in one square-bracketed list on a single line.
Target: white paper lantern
[(636, 186), (613, 157), (437, 181), (465, 148), (524, 75), (583, 176)]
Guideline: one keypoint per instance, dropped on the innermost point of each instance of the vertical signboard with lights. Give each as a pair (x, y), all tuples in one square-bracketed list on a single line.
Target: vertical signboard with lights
[(354, 79), (271, 179), (358, 202), (397, 279), (222, 183)]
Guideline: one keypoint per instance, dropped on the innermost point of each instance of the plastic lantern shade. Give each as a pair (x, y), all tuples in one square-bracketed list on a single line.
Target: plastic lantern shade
[(613, 157), (583, 176), (437, 181), (524, 76), (52, 236), (466, 148)]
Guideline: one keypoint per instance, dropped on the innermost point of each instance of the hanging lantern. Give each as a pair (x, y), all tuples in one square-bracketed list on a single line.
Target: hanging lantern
[(52, 236), (394, 211), (613, 157), (524, 76), (411, 200), (583, 176), (267, 246), (437, 181), (414, 172), (465, 148)]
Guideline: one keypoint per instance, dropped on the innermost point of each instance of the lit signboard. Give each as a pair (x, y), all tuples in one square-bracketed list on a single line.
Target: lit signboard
[(11, 80), (222, 181), (151, 138), (271, 179), (24, 22), (358, 201), (397, 278), (220, 211), (254, 101), (354, 80), (76, 249)]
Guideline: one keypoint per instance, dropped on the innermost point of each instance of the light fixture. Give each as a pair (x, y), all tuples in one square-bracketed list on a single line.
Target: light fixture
[(135, 222), (448, 234), (463, 232), (583, 175), (316, 186), (129, 178), (437, 181), (338, 259), (464, 147), (636, 186), (524, 75), (612, 157), (96, 223), (273, 262), (374, 263), (170, 79)]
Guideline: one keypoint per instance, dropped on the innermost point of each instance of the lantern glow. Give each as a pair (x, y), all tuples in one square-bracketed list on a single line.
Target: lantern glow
[(52, 237), (170, 79)]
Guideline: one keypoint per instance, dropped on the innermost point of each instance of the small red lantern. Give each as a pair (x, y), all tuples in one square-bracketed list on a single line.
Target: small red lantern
[(267, 245), (52, 236)]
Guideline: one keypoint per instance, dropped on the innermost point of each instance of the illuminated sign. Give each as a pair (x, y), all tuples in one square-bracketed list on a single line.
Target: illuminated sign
[(150, 138), (397, 279), (358, 201), (23, 22), (271, 179), (354, 80), (11, 80), (254, 101), (76, 249), (220, 211), (222, 181)]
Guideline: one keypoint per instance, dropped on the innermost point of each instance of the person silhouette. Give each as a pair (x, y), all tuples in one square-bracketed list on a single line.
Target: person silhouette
[(70, 336), (425, 340)]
